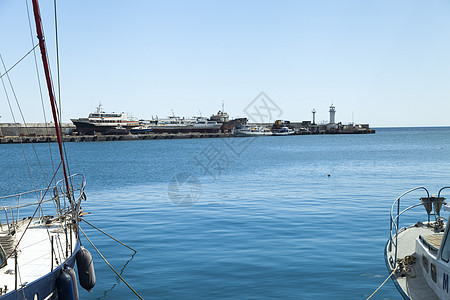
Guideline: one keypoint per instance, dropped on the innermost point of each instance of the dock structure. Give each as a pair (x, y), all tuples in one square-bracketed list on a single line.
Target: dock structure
[(106, 138), (33, 129), (305, 128), (308, 128)]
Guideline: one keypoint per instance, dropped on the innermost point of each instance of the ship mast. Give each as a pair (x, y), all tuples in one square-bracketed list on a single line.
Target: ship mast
[(40, 36)]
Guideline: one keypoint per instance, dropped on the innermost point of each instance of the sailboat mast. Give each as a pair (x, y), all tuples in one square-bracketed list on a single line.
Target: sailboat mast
[(40, 36)]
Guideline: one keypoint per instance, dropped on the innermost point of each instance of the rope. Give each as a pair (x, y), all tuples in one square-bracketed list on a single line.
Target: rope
[(20, 279), (108, 235), (392, 273), (112, 268), (404, 265)]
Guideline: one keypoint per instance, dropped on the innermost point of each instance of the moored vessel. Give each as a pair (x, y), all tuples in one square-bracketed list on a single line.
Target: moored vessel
[(174, 124), (201, 124), (140, 129), (107, 123), (220, 117), (417, 254), (39, 239), (39, 232), (284, 131), (248, 130)]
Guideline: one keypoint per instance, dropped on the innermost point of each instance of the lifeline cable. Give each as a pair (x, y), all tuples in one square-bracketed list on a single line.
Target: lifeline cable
[(108, 235), (112, 268)]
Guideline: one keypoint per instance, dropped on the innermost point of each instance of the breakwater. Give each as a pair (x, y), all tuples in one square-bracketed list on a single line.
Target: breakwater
[(33, 129), (106, 138), (134, 137)]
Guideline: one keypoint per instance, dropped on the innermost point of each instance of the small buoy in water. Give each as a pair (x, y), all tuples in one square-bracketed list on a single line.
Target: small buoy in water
[(85, 267), (329, 174), (64, 286)]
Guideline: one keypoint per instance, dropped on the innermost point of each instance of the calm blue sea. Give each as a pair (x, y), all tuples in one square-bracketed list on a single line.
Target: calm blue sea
[(244, 218)]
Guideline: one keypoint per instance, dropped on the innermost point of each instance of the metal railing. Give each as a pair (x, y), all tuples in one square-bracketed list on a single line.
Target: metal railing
[(395, 220), (432, 206), (445, 187), (53, 194), (58, 196)]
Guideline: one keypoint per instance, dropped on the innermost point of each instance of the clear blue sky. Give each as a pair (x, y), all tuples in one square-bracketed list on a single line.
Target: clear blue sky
[(387, 62)]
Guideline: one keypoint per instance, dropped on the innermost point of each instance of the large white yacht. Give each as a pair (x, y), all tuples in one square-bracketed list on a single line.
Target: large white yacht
[(102, 122)]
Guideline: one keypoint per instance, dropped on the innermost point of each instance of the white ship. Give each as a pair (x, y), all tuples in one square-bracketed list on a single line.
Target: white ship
[(102, 122), (248, 130), (284, 131), (174, 124)]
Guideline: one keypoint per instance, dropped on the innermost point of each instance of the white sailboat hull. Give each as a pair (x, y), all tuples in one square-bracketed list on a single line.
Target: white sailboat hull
[(37, 266)]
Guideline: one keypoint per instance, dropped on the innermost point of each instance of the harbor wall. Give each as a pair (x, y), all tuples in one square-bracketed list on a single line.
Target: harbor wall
[(33, 129), (106, 138), (45, 132)]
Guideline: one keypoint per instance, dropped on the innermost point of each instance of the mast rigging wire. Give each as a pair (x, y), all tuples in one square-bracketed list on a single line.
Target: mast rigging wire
[(57, 60), (59, 107), (109, 235), (14, 119), (40, 34), (23, 57), (39, 83), (25, 125)]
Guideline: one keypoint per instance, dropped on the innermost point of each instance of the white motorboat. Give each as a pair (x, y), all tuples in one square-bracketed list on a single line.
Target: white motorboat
[(248, 130), (418, 254), (284, 131)]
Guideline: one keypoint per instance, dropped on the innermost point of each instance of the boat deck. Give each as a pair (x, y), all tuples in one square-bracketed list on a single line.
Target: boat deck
[(414, 287), (35, 254)]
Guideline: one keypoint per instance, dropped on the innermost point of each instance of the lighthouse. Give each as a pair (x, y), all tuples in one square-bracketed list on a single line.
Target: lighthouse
[(332, 114), (314, 116)]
